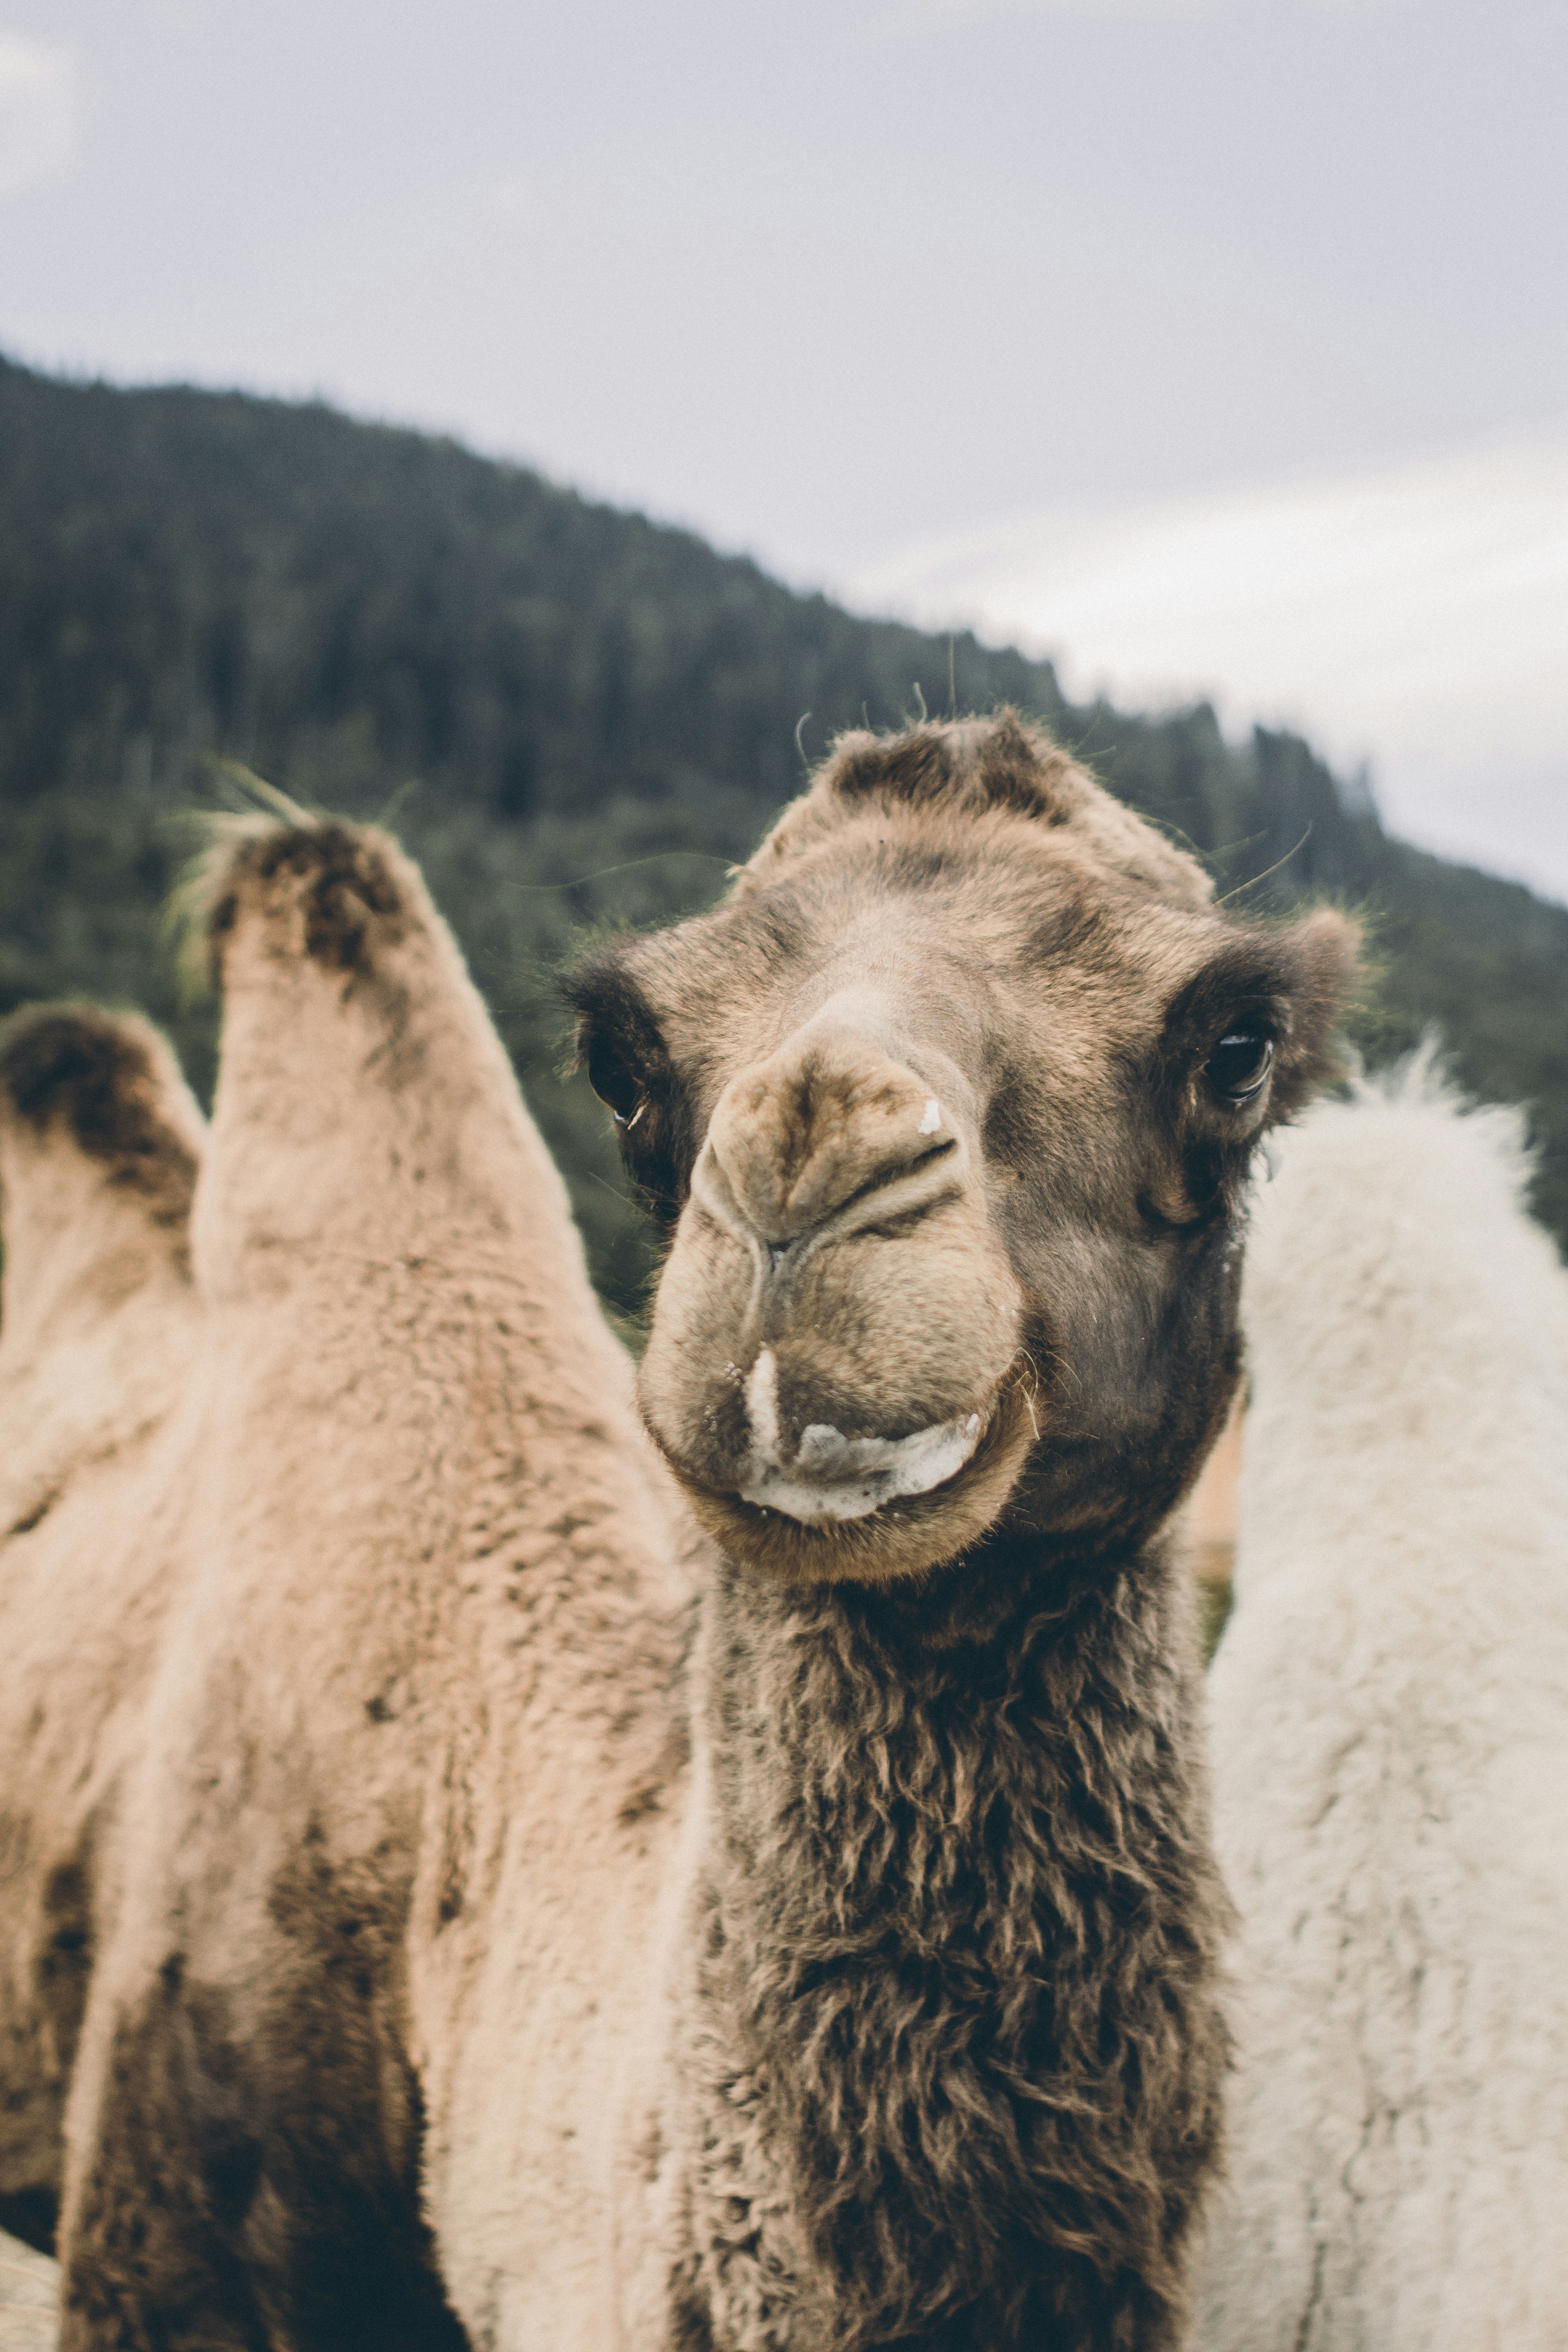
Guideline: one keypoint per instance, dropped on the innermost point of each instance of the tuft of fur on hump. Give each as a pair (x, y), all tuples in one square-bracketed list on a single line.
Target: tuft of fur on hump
[(961, 769), (108, 1080), (1390, 1706), (99, 1148), (338, 878), (100, 1143)]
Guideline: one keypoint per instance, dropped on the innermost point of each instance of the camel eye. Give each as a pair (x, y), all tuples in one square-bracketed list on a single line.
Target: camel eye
[(1239, 1065), (613, 1083)]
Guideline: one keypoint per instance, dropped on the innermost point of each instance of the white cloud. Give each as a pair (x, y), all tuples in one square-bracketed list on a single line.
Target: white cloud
[(927, 13), (513, 197), (1145, 11), (40, 112), (1416, 615)]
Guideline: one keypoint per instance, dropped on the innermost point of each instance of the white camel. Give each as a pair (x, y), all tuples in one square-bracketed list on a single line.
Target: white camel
[(1390, 1710)]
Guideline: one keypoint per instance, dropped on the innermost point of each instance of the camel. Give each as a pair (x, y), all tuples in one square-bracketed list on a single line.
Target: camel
[(1390, 1707), (542, 1923), (30, 2319), (100, 1142)]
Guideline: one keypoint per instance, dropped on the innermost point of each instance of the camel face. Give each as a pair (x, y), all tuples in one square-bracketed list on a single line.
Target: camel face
[(937, 1106)]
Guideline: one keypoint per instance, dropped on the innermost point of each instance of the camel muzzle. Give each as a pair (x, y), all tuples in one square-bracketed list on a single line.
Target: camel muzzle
[(838, 1314)]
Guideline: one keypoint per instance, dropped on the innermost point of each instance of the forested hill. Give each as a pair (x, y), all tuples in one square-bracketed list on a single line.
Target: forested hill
[(542, 688)]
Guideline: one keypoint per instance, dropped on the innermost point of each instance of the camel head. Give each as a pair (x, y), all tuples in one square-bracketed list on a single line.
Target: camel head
[(947, 1110)]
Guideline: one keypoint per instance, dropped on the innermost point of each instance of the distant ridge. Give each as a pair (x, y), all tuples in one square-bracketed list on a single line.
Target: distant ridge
[(1418, 604), (352, 611)]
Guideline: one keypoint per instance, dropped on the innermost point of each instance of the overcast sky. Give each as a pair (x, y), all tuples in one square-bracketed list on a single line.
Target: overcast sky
[(849, 282)]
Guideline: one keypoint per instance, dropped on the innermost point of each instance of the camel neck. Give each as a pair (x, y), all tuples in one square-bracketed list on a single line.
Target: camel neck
[(960, 1921)]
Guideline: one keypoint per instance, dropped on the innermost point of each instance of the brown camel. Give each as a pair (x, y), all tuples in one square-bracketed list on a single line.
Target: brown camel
[(448, 1991), (98, 1147)]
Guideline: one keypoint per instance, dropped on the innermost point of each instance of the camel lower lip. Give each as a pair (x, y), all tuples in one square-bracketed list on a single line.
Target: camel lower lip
[(832, 1477)]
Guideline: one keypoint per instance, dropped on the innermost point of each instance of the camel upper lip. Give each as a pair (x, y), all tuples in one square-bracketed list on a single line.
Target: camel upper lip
[(833, 1477)]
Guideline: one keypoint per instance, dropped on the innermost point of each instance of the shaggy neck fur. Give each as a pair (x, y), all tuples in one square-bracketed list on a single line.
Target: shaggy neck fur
[(956, 1895)]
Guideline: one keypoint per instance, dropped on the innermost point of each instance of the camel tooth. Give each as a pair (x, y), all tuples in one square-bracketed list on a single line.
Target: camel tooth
[(763, 1409), (838, 1477)]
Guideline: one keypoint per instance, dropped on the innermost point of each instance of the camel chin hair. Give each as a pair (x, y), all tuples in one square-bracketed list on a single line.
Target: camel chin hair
[(718, 1860)]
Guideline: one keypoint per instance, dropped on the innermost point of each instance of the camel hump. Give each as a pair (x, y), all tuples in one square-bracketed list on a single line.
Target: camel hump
[(366, 1116), (100, 1147), (105, 1088)]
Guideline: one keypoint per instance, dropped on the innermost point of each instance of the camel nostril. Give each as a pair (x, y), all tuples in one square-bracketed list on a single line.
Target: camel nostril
[(829, 1120), (924, 1158)]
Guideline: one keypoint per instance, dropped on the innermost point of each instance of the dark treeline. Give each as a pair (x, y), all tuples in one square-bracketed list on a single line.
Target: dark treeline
[(534, 689)]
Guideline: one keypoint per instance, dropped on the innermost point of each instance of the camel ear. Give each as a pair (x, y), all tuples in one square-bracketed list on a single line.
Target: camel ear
[(1322, 957)]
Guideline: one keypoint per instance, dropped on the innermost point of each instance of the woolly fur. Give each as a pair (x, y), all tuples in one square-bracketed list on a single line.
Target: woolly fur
[(98, 1147), (1390, 1707)]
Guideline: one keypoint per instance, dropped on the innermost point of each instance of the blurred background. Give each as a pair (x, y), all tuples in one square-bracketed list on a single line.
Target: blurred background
[(1193, 372)]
